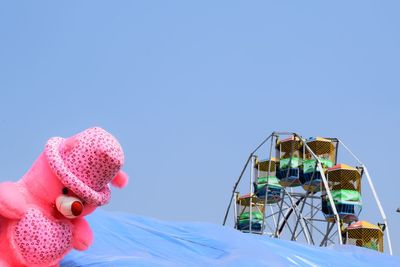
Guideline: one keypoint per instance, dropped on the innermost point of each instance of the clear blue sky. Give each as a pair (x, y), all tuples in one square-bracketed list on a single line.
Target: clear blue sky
[(189, 88)]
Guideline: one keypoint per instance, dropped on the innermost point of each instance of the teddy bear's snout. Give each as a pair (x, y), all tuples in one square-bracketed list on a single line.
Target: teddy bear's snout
[(70, 207)]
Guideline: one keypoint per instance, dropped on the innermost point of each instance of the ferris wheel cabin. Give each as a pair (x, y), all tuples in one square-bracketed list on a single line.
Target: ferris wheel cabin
[(325, 150), (365, 234), (249, 214), (345, 186), (267, 184), (290, 152)]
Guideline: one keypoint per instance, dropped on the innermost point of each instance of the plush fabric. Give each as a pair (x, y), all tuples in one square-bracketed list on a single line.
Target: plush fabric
[(34, 230)]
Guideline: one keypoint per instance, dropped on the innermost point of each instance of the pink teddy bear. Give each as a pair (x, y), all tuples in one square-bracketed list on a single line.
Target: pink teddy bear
[(42, 215)]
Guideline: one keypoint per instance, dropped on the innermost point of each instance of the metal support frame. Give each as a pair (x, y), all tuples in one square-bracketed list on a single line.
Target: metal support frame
[(298, 220), (235, 215), (251, 192), (266, 186), (378, 202), (301, 219)]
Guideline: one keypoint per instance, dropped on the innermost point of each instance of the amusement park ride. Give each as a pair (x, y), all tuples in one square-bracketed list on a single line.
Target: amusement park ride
[(301, 192)]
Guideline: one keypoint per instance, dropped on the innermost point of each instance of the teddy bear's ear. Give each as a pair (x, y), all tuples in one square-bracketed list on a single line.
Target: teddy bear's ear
[(69, 144), (120, 180)]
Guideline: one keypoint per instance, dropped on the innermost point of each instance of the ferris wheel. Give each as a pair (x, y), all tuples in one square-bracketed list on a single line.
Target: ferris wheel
[(302, 192)]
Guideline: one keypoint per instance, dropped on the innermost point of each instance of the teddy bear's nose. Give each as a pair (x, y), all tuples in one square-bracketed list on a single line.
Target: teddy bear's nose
[(70, 207), (76, 208)]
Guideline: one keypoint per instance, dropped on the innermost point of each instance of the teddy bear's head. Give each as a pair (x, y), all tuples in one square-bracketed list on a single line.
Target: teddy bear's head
[(75, 173)]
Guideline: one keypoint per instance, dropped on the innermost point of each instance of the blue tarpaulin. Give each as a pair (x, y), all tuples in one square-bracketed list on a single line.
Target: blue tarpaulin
[(129, 240)]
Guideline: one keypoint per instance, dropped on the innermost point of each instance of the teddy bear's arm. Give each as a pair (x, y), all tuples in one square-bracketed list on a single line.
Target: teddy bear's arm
[(83, 235), (12, 201)]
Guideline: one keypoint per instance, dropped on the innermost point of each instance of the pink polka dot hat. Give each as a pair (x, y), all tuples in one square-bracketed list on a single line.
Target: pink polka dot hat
[(86, 163)]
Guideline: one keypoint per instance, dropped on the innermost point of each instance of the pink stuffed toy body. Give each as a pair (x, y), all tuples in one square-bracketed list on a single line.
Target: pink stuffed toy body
[(41, 215)]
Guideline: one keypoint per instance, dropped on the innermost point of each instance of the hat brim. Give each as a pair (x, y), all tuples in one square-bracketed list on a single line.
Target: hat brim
[(69, 179)]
